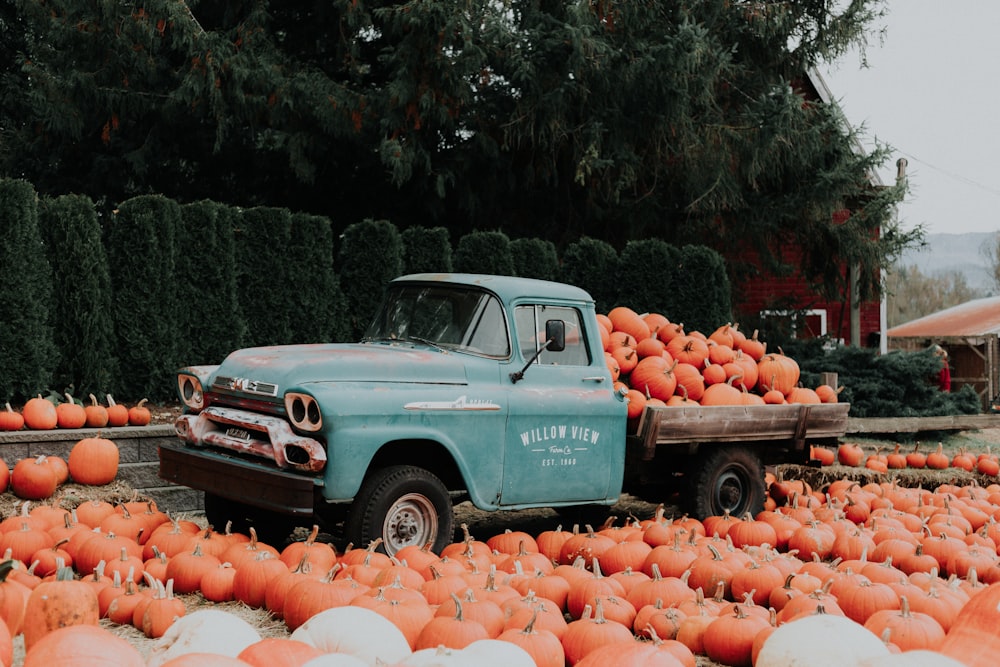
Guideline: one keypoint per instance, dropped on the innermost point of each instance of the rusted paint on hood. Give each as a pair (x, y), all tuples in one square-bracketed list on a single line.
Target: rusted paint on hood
[(289, 365)]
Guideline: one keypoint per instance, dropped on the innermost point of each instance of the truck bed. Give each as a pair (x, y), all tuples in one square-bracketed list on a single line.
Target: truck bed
[(791, 423)]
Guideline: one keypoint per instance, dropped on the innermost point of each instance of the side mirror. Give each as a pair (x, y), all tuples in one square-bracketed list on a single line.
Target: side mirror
[(555, 335), (555, 341)]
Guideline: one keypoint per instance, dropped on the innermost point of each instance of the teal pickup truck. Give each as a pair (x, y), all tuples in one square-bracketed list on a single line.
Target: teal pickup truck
[(485, 388)]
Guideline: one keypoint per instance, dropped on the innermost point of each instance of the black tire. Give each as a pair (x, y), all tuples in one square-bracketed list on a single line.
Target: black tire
[(402, 505), (725, 479), (271, 527)]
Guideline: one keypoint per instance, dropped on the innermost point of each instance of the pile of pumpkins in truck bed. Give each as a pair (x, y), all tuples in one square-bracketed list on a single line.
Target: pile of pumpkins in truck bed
[(659, 363)]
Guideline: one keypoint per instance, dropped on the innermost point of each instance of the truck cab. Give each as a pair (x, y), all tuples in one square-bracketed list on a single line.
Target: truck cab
[(487, 388)]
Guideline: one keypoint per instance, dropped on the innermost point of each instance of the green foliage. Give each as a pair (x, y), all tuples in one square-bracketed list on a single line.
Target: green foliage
[(898, 384), (315, 303), (26, 337), (141, 243), (700, 289), (210, 314), (484, 252), (592, 265), (262, 274), (426, 250), (534, 258), (688, 122), (82, 318), (371, 255), (645, 278)]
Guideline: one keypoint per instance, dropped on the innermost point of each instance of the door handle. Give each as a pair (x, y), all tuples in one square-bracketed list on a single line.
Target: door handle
[(594, 378)]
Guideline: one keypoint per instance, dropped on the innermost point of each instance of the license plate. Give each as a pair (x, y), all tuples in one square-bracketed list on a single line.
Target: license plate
[(238, 434)]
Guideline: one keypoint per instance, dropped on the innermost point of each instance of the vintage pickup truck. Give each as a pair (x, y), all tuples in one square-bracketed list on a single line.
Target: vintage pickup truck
[(465, 387)]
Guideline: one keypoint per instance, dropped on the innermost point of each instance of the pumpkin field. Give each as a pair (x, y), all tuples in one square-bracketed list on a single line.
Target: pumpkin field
[(845, 565)]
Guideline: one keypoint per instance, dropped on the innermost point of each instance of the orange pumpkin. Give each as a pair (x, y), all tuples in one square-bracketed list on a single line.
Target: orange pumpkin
[(97, 414), (11, 420), (40, 414), (33, 479), (117, 413), (94, 461), (58, 603), (139, 415), (70, 414)]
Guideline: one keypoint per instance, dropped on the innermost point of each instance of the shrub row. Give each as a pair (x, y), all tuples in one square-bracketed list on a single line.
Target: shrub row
[(115, 301)]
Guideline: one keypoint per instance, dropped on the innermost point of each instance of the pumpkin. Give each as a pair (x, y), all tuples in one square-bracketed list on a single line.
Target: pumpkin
[(972, 638), (729, 638), (58, 603), (82, 645), (39, 414), (70, 414), (203, 631), (139, 415), (278, 652), (97, 414), (782, 372), (587, 634), (161, 612), (11, 420), (627, 320), (117, 414), (94, 461), (496, 652), (820, 640), (33, 479), (355, 631)]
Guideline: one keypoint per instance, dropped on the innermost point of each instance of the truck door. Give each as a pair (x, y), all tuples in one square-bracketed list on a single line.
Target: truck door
[(565, 430)]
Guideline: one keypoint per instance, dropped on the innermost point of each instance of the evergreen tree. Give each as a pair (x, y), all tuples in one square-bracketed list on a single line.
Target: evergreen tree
[(141, 244), (426, 250), (314, 299), (26, 336), (371, 254), (263, 237), (82, 318), (534, 258), (592, 265), (211, 315), (484, 252), (687, 122)]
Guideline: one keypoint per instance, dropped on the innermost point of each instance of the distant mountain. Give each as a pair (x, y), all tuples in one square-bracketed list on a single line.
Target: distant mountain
[(945, 253)]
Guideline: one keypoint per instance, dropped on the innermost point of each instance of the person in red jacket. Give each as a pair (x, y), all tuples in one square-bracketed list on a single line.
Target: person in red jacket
[(944, 375)]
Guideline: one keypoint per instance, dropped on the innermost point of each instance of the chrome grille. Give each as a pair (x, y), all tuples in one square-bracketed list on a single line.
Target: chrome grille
[(245, 386)]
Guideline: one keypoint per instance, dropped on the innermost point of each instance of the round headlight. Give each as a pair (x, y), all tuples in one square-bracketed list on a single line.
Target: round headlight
[(189, 388), (303, 412)]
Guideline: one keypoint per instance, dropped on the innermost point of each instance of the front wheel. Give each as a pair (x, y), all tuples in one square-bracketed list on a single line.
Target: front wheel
[(402, 505), (725, 480)]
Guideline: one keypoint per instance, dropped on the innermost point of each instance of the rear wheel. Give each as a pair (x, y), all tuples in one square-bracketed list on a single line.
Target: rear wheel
[(402, 505), (725, 479)]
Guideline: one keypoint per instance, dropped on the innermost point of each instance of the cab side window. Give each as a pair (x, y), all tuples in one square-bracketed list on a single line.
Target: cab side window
[(530, 322)]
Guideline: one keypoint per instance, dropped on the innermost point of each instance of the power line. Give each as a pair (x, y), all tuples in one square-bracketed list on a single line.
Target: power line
[(950, 174)]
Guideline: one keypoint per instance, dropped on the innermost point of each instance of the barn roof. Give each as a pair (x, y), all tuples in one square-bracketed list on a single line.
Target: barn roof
[(972, 318)]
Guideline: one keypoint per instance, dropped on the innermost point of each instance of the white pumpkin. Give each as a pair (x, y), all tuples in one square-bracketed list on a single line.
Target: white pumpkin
[(497, 652), (820, 640), (356, 631), (203, 631)]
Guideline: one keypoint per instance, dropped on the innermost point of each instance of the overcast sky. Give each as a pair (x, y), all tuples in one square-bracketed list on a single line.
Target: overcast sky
[(932, 92)]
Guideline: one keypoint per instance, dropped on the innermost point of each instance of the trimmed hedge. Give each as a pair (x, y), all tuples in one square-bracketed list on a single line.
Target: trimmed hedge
[(26, 337), (141, 245), (426, 250), (484, 252), (370, 256), (83, 330)]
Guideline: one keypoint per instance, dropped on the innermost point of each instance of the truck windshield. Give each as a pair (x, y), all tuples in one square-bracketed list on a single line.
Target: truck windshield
[(458, 319)]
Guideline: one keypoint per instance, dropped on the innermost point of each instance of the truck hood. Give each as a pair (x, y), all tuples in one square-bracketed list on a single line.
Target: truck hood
[(295, 365)]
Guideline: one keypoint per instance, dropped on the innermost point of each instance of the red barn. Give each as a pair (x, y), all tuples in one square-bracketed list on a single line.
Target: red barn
[(848, 320)]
